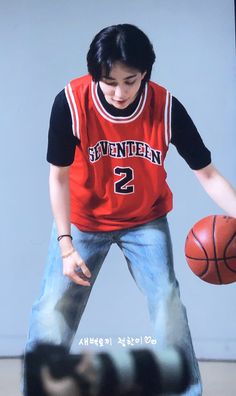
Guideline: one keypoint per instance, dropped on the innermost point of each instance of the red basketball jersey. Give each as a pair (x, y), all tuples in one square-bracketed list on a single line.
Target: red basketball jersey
[(117, 179)]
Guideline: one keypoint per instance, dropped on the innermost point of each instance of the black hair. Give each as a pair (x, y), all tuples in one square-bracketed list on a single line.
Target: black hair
[(124, 43)]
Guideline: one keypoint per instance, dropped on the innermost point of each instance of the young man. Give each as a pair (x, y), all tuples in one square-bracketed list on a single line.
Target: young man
[(109, 134)]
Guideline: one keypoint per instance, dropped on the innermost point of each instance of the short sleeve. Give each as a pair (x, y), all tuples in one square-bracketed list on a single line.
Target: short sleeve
[(61, 141), (186, 138)]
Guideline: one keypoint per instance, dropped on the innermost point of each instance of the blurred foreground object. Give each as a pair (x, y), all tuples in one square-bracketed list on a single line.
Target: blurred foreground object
[(51, 371)]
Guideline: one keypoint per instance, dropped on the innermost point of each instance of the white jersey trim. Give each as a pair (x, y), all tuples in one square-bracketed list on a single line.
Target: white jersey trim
[(170, 113), (167, 118), (73, 110), (108, 116)]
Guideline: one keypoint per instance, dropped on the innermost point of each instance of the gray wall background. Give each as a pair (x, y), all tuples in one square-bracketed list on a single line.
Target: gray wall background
[(44, 45)]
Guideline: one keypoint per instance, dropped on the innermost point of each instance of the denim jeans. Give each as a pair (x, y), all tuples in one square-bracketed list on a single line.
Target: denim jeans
[(147, 249)]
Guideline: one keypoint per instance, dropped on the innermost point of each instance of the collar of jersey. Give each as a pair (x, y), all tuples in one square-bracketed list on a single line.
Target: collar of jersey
[(118, 119)]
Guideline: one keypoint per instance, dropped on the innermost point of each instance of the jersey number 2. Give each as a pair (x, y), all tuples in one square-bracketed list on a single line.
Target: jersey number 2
[(121, 186)]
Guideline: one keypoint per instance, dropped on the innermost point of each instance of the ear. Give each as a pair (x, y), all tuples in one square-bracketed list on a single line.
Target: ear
[(143, 75)]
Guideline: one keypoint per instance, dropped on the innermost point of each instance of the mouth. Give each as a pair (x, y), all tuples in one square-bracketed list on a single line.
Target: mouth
[(120, 102)]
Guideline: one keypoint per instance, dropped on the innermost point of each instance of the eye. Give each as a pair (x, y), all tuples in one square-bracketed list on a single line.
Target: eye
[(111, 84), (130, 82)]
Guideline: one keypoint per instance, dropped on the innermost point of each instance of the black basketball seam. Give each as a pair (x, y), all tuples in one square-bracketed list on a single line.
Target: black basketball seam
[(214, 245), (227, 258), (209, 259), (199, 242)]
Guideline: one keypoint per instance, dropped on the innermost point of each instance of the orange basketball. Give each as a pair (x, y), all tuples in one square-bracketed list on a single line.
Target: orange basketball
[(210, 249)]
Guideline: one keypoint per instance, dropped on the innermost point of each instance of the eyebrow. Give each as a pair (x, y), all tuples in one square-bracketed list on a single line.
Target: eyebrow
[(113, 79)]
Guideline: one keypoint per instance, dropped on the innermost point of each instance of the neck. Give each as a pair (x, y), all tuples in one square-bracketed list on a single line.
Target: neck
[(112, 110)]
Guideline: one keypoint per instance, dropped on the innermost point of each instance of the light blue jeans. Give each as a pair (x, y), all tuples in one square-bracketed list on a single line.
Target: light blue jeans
[(147, 248)]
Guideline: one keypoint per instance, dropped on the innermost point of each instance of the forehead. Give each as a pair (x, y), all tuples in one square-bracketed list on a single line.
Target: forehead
[(121, 70)]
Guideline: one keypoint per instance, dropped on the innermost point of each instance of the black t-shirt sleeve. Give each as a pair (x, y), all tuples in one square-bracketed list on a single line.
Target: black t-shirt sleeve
[(186, 138), (61, 141)]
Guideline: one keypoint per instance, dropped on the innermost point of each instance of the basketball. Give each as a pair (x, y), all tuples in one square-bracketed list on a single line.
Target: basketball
[(210, 249)]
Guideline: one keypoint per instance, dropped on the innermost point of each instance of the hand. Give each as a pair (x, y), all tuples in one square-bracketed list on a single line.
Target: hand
[(75, 268)]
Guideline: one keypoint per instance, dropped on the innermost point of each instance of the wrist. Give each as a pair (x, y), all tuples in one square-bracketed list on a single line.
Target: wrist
[(60, 237), (68, 253), (65, 245)]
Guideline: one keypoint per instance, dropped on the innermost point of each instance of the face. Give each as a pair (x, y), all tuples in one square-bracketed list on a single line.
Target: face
[(120, 88)]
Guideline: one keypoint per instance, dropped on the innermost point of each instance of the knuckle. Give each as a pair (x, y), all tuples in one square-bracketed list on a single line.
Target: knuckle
[(67, 272)]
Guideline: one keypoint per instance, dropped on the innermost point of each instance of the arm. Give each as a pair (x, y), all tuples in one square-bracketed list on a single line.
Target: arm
[(218, 188), (60, 202)]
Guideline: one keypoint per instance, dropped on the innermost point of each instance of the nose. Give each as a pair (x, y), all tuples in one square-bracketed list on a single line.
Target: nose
[(120, 92)]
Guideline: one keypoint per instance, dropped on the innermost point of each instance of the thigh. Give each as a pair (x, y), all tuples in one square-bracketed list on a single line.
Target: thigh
[(58, 293), (58, 309), (93, 248), (148, 251)]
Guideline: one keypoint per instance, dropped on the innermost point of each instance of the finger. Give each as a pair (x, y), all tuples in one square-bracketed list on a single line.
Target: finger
[(77, 278), (81, 275), (81, 264), (85, 269)]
